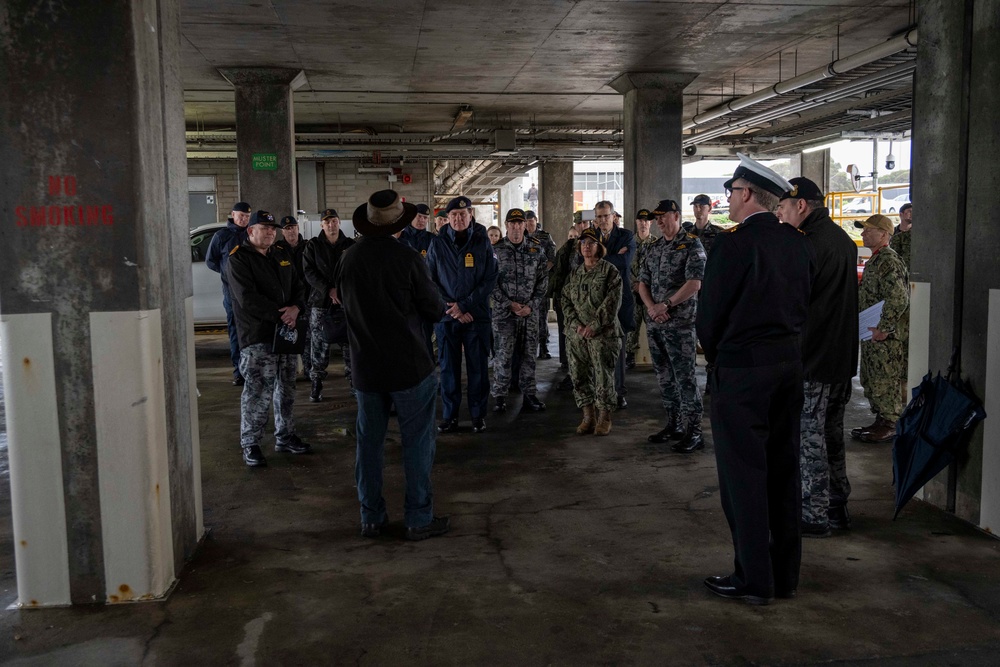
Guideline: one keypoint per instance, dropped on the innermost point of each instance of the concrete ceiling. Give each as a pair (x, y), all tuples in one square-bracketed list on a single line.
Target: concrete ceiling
[(407, 66)]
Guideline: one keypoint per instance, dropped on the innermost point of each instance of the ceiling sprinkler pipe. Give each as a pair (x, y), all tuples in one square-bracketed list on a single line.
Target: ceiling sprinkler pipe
[(834, 68), (813, 100)]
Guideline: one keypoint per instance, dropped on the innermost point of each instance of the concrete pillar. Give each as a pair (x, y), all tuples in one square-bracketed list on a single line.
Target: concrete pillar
[(954, 246), (652, 119), (555, 197), (815, 166), (98, 341), (265, 135)]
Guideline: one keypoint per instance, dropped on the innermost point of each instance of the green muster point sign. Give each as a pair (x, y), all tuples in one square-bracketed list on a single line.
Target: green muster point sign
[(265, 162)]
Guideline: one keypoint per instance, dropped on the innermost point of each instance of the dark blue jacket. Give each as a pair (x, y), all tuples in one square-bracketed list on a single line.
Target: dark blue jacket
[(222, 244), (418, 239), (622, 238), (464, 275)]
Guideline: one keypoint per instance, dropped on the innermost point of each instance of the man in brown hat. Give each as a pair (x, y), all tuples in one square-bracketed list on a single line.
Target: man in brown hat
[(883, 358), (388, 295)]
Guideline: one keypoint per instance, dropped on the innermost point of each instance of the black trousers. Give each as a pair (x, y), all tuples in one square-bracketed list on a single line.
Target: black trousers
[(755, 428)]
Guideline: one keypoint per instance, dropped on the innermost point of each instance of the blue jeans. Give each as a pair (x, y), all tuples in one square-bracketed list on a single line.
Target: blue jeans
[(474, 338), (234, 343), (415, 409)]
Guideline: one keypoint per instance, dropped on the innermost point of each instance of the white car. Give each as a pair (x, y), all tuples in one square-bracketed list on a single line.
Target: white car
[(892, 205), (208, 310)]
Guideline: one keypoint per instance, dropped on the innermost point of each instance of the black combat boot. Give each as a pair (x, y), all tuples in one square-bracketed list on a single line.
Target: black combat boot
[(316, 393), (691, 442)]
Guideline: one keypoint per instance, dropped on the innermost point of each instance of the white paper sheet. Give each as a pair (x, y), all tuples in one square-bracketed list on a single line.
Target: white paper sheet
[(869, 317)]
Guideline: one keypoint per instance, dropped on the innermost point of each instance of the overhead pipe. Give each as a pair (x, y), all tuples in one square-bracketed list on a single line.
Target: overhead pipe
[(870, 55), (462, 174), (810, 101)]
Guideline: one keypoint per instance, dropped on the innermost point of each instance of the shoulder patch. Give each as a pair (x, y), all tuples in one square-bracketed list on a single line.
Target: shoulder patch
[(235, 248), (284, 262), (691, 236)]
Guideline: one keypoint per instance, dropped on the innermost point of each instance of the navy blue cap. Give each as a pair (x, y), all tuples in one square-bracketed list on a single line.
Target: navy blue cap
[(288, 221), (803, 188), (261, 217), (530, 214), (702, 199), (515, 215), (328, 213), (458, 203), (241, 207), (666, 206), (423, 209), (644, 214)]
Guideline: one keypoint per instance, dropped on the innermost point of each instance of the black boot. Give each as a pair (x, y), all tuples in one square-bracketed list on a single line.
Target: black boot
[(691, 442), (672, 431), (316, 393), (500, 404)]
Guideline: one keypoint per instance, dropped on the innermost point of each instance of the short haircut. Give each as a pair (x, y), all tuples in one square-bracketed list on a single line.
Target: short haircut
[(764, 198), (814, 204), (604, 203)]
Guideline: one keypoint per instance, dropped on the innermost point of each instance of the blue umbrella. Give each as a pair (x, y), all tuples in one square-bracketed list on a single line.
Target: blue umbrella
[(936, 425)]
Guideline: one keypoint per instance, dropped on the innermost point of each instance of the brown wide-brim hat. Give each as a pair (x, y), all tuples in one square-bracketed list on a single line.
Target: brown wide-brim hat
[(384, 214)]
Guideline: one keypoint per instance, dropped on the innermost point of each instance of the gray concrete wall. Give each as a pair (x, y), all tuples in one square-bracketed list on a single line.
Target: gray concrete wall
[(555, 197), (953, 168), (816, 167)]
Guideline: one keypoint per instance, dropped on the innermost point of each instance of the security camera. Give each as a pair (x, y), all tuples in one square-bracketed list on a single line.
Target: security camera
[(890, 161), (690, 150)]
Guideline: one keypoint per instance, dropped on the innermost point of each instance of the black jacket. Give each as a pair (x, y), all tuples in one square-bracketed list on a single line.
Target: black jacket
[(388, 297), (296, 254), (755, 295), (319, 264), (260, 285), (465, 274), (830, 339), (222, 244), (620, 238)]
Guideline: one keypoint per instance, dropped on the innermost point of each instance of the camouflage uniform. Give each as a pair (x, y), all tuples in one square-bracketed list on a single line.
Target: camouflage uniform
[(632, 337), (836, 454), (901, 244), (524, 278), (883, 364), (673, 344), (593, 298), (548, 246), (814, 464), (706, 236), (269, 377)]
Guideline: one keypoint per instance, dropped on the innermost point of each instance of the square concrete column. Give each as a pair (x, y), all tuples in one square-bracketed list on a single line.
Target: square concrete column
[(956, 138), (815, 166), (555, 198), (653, 112), (98, 340), (265, 135)]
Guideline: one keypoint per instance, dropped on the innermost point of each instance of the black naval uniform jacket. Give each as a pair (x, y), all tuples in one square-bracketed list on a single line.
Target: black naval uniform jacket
[(260, 285), (830, 338), (319, 265), (755, 295)]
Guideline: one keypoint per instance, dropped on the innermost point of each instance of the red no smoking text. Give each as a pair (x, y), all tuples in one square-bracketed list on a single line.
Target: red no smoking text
[(63, 215)]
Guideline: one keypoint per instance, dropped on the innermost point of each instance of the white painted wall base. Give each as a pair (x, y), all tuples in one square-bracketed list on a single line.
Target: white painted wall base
[(990, 501), (195, 438), (133, 470), (41, 550), (920, 341)]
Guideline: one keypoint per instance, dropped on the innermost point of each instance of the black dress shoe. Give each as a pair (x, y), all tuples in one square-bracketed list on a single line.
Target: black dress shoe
[(839, 517), (723, 587), (690, 443), (815, 530), (532, 403), (439, 525), (544, 355), (293, 445), (316, 393), (565, 384), (253, 457), (478, 424), (622, 403), (448, 426), (238, 381), (373, 529), (500, 405), (672, 431)]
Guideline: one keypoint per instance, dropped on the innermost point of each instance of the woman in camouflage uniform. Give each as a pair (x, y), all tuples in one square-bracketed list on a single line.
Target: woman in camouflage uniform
[(590, 301)]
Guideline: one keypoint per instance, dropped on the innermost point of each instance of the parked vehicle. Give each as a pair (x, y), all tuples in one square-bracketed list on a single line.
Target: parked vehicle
[(892, 205), (207, 302)]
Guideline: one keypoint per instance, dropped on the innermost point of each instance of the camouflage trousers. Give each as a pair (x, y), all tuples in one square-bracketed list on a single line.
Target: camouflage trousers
[(632, 337), (319, 349), (512, 335), (822, 459), (269, 378), (675, 354), (592, 369), (883, 366)]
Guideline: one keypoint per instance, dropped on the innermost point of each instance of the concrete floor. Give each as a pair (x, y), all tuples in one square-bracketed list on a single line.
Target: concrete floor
[(564, 550)]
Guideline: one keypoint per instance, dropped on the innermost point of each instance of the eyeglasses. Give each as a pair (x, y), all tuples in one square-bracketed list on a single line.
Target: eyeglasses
[(730, 191)]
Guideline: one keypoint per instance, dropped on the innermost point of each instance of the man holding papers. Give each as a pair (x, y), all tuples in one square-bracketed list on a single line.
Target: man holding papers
[(883, 356)]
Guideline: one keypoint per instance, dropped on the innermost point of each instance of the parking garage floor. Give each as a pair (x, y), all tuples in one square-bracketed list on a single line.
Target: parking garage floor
[(564, 550)]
